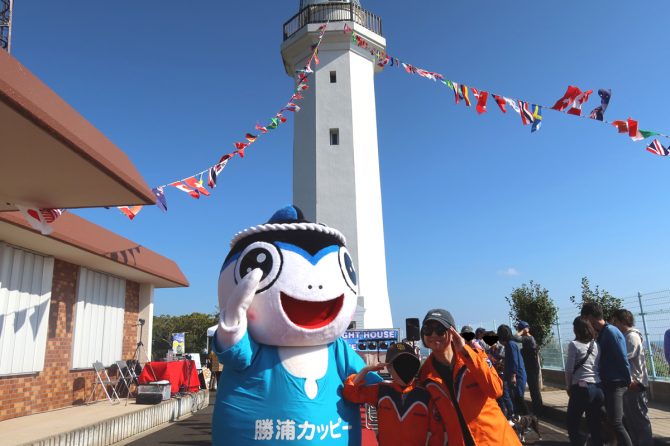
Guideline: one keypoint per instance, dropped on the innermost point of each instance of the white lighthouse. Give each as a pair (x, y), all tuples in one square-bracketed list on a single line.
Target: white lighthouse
[(335, 154)]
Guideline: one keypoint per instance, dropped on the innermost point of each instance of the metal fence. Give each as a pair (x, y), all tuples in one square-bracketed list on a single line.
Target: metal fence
[(332, 12), (652, 318)]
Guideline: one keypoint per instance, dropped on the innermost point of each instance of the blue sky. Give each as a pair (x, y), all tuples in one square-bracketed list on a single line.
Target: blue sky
[(473, 205)]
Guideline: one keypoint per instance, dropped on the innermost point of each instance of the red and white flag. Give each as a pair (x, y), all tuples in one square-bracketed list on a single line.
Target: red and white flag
[(130, 211), (482, 97), (40, 219), (501, 103), (184, 188), (568, 98), (580, 100), (633, 131), (197, 185), (621, 126)]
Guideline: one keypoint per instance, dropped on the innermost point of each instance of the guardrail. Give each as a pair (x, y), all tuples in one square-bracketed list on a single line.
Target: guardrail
[(652, 318), (332, 12)]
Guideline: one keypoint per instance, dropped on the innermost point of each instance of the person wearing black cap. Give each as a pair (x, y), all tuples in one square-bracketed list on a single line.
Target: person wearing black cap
[(515, 370), (479, 337), (404, 410), (469, 335), (529, 352), (464, 386)]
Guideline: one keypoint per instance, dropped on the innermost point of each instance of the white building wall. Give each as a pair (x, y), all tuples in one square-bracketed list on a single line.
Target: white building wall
[(147, 313)]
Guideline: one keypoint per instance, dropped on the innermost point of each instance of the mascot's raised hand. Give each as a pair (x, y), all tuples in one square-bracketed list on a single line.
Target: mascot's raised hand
[(287, 293), (233, 317)]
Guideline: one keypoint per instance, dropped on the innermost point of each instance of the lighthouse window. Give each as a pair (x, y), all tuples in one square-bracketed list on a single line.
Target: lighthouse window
[(334, 137), (333, 77)]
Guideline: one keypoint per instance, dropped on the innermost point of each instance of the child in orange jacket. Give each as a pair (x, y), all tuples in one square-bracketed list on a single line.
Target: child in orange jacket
[(405, 414)]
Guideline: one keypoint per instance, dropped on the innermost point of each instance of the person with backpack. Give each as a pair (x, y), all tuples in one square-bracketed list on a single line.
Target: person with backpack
[(635, 409), (582, 383)]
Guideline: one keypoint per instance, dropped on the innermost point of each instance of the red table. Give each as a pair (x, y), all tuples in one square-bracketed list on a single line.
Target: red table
[(176, 372)]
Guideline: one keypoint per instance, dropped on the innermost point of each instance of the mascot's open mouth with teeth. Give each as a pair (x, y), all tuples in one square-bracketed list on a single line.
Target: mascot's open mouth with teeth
[(311, 314)]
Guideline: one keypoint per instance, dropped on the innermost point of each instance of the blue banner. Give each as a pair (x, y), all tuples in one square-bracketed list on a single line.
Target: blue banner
[(371, 340)]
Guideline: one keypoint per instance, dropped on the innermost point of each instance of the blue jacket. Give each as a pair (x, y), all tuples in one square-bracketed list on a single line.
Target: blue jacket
[(666, 346), (613, 364), (514, 365)]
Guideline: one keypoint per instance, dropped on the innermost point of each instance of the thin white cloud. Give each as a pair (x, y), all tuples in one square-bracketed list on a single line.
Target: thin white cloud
[(511, 272)]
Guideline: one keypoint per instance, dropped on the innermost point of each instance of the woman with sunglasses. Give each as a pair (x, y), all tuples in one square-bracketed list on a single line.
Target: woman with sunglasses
[(464, 386)]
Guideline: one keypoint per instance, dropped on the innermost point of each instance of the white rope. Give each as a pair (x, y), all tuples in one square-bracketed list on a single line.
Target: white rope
[(288, 227)]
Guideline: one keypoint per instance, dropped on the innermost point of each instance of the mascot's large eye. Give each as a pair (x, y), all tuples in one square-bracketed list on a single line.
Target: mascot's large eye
[(348, 270), (264, 256)]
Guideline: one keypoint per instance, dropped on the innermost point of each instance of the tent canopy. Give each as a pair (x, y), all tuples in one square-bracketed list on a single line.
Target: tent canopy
[(211, 330)]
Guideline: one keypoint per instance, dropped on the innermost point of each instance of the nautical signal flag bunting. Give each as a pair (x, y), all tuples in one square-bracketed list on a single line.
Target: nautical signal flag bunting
[(571, 103)]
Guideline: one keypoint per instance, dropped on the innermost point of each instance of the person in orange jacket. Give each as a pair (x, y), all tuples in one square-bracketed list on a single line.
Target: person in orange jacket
[(464, 386), (405, 414)]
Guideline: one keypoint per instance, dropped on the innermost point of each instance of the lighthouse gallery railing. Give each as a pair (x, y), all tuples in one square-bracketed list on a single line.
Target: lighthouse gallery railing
[(333, 12)]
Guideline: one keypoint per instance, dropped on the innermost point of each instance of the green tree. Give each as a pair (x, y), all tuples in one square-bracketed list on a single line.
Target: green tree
[(531, 303), (608, 302), (195, 326)]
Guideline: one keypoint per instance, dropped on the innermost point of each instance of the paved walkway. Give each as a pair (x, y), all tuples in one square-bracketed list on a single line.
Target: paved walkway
[(556, 406)]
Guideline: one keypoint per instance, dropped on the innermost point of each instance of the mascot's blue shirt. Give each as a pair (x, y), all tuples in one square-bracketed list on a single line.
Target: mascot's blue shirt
[(259, 401)]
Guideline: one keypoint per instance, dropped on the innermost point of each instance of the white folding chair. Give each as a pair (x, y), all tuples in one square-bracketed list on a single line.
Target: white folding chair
[(103, 379), (126, 376)]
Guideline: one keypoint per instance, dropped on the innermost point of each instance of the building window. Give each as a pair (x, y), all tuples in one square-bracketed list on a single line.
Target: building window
[(333, 77), (334, 137), (25, 297), (98, 328)]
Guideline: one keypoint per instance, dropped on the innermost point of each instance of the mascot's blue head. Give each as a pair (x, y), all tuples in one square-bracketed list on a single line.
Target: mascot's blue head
[(307, 294)]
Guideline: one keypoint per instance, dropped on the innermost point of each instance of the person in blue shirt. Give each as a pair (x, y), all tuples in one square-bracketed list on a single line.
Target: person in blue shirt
[(515, 370), (666, 345), (614, 368)]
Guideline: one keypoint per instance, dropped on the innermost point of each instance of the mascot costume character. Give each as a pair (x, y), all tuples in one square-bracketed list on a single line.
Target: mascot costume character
[(287, 293)]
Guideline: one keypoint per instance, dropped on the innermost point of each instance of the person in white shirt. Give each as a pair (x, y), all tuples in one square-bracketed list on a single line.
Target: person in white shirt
[(581, 379), (635, 407)]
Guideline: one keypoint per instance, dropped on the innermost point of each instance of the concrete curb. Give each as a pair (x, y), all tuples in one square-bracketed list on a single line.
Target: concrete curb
[(116, 429)]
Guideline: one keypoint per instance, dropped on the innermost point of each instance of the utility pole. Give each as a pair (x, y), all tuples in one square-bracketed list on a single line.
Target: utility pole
[(6, 8)]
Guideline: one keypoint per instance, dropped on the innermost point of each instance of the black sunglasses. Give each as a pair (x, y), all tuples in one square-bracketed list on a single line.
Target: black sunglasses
[(468, 336), (428, 330)]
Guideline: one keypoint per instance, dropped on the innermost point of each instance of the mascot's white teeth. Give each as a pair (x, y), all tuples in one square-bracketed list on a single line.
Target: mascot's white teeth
[(311, 314)]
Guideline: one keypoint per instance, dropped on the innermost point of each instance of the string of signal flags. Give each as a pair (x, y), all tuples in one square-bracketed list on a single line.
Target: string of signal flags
[(570, 103)]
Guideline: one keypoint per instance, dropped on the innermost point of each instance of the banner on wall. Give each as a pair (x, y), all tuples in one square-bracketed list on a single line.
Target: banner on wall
[(371, 340)]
